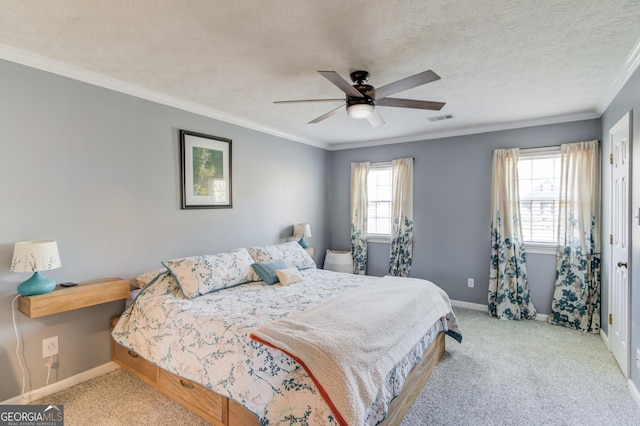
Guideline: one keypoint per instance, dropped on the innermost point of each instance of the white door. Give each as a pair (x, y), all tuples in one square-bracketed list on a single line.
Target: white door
[(619, 291)]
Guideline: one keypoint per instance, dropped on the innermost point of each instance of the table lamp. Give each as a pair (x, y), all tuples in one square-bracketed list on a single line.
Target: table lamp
[(302, 230), (35, 256)]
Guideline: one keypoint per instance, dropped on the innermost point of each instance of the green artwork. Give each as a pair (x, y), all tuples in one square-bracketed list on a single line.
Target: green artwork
[(207, 167)]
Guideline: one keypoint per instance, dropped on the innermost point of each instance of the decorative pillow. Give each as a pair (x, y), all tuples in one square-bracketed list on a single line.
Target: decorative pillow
[(144, 279), (267, 270), (200, 275), (291, 253), (289, 276)]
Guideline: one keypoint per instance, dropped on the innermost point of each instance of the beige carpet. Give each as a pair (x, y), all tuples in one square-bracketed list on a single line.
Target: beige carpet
[(119, 398), (504, 373)]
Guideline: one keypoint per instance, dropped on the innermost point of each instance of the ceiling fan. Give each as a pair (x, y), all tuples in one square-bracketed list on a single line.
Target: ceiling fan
[(362, 98)]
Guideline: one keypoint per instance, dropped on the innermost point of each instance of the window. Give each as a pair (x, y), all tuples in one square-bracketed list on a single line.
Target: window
[(379, 182), (539, 184)]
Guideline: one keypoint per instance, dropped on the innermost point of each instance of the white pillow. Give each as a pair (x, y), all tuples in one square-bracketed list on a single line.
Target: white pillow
[(288, 276)]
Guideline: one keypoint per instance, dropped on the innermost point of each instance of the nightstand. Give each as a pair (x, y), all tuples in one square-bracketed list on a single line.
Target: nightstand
[(63, 299), (309, 250)]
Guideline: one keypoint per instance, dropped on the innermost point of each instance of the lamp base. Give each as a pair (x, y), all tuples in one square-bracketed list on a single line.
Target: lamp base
[(303, 243), (37, 284)]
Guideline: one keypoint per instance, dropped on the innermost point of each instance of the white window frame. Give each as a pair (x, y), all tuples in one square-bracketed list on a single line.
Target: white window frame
[(380, 238), (528, 153)]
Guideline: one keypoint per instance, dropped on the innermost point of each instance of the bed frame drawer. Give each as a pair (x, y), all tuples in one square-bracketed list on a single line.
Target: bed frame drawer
[(131, 360), (194, 395)]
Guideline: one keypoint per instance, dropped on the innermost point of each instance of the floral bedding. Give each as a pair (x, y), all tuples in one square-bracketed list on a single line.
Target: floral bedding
[(206, 340)]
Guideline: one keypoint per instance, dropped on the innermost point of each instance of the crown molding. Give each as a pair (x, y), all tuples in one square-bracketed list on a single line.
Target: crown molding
[(471, 130), (628, 69), (47, 64)]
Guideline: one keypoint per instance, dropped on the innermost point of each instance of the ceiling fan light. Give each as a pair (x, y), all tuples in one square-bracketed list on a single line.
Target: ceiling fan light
[(359, 110)]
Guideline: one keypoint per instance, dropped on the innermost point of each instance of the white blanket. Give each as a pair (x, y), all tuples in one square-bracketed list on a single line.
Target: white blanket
[(349, 344)]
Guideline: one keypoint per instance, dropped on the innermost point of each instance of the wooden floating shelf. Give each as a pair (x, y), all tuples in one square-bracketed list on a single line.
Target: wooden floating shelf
[(63, 299)]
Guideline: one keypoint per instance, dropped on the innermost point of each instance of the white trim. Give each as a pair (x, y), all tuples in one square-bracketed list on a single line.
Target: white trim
[(483, 308), (542, 152), (634, 392), (379, 238), (475, 130), (62, 384), (46, 64), (630, 66), (469, 305), (605, 339), (540, 248)]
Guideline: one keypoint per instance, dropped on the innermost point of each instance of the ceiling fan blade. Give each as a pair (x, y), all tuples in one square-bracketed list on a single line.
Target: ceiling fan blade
[(326, 115), (375, 119), (342, 84), (308, 100), (406, 84), (410, 103)]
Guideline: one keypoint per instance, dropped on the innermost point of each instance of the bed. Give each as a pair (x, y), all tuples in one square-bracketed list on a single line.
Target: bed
[(205, 332)]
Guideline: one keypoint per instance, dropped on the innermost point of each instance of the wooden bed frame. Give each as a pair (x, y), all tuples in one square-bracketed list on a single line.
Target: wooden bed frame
[(222, 411)]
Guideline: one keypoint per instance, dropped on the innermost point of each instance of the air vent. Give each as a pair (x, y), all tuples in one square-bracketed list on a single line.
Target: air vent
[(441, 117)]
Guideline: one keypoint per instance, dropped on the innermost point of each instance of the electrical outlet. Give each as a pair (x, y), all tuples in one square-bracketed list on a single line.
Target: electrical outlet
[(638, 358), (50, 347), (470, 282)]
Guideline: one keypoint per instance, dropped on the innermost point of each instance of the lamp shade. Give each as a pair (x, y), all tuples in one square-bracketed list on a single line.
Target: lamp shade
[(33, 256), (302, 230)]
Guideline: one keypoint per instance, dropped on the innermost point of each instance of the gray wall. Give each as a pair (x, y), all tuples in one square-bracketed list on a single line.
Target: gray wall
[(98, 171), (452, 195), (627, 100)]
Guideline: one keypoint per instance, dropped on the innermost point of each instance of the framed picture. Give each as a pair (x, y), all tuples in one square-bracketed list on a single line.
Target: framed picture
[(205, 170)]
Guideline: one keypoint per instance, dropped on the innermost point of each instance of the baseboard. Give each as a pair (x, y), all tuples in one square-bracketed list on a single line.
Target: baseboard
[(483, 308), (469, 305), (605, 339), (62, 384), (634, 392)]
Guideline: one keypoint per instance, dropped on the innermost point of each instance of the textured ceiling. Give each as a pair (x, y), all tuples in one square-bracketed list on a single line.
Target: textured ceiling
[(503, 63)]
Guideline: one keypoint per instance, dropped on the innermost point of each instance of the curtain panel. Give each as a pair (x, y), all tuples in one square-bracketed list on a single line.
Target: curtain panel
[(359, 214), (401, 250), (509, 296), (576, 299)]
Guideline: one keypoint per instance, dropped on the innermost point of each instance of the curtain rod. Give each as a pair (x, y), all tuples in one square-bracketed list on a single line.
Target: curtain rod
[(548, 146)]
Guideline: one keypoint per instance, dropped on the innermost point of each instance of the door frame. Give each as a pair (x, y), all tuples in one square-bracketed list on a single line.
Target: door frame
[(626, 119)]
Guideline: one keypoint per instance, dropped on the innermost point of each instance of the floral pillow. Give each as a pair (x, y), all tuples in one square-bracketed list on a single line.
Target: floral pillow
[(200, 275), (145, 278), (290, 253)]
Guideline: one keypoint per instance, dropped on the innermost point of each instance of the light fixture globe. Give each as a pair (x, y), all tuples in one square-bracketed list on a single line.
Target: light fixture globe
[(359, 110)]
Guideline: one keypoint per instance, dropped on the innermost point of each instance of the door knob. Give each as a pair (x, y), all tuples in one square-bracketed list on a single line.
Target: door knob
[(620, 264)]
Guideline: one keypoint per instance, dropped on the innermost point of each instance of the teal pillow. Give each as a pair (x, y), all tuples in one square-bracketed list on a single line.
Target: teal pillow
[(267, 270)]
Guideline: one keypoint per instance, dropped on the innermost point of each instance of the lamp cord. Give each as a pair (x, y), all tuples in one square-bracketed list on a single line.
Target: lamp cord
[(15, 329)]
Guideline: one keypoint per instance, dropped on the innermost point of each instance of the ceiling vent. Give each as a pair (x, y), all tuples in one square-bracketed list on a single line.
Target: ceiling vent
[(441, 117)]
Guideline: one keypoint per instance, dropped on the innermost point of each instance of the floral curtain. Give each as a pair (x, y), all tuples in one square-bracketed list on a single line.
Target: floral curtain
[(509, 296), (359, 210), (576, 299), (402, 217)]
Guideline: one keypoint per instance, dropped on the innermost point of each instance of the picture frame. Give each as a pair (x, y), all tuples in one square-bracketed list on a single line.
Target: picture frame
[(205, 169)]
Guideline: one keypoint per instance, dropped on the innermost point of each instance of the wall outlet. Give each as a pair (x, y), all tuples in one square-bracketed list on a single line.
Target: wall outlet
[(50, 347), (638, 358), (470, 282)]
